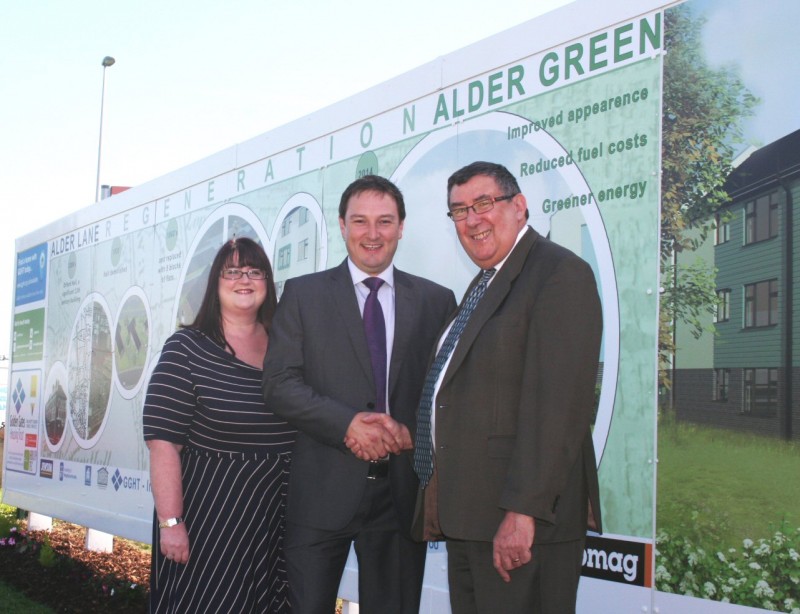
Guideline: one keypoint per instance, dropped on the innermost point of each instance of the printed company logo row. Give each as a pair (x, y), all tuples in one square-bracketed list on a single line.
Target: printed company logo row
[(119, 481)]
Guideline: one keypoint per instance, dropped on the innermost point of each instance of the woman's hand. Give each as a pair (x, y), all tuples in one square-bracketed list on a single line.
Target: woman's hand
[(175, 543)]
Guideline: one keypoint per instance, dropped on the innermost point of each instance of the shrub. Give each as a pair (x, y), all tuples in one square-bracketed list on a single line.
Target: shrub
[(763, 574), (47, 556)]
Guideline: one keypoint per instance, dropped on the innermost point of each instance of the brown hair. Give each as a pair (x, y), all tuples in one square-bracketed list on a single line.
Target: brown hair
[(241, 252)]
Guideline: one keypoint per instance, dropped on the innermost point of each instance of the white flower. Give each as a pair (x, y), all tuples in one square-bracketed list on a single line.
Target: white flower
[(794, 555), (709, 589), (763, 589), (763, 548), (754, 565), (662, 575), (748, 543), (721, 557)]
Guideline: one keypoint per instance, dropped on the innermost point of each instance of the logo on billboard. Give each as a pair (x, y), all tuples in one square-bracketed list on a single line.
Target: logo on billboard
[(617, 560), (124, 481), (18, 396), (87, 475), (102, 478), (46, 468)]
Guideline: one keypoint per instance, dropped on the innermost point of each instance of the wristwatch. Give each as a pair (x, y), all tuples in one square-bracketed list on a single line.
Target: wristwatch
[(169, 522)]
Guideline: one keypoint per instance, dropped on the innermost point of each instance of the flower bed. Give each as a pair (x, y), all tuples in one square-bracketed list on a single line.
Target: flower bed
[(54, 568)]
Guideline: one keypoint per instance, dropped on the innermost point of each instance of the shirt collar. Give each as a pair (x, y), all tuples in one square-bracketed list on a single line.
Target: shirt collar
[(520, 234), (387, 275)]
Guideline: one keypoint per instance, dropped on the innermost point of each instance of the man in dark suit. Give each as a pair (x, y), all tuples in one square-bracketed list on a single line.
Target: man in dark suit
[(513, 478), (353, 410)]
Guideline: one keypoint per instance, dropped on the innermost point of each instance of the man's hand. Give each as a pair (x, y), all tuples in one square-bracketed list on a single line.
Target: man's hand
[(371, 436), (512, 543)]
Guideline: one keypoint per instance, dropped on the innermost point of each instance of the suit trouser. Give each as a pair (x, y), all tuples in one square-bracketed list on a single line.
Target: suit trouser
[(391, 566), (546, 585)]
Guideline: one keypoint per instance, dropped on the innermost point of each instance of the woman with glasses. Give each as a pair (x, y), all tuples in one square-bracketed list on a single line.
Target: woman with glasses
[(219, 458)]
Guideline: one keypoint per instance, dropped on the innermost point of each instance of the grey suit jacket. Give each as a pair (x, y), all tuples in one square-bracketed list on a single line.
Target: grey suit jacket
[(514, 408), (317, 375)]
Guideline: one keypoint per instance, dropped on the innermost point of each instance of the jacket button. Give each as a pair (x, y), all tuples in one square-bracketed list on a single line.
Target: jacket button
[(370, 405)]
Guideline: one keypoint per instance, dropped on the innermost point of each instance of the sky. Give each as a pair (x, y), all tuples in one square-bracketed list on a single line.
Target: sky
[(191, 78), (751, 52)]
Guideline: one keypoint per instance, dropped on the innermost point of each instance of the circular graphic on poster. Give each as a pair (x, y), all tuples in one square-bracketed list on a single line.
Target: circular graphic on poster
[(224, 223), (172, 234), (55, 406), (422, 177), (89, 367), (116, 251), (72, 265), (367, 165), (131, 342), (301, 240)]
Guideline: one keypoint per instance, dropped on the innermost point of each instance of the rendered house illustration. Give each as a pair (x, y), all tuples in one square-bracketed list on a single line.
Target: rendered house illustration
[(746, 376), (295, 247)]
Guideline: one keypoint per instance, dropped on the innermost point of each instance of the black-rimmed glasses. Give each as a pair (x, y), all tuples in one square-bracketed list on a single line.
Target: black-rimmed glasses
[(237, 274), (479, 206)]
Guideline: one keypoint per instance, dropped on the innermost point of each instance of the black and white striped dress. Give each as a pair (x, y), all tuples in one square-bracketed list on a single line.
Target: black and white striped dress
[(235, 466)]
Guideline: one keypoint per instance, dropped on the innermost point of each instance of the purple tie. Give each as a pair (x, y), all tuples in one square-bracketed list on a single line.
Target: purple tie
[(375, 327)]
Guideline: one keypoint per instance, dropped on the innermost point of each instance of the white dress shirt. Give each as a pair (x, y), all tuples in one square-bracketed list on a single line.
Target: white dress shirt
[(497, 268), (386, 299)]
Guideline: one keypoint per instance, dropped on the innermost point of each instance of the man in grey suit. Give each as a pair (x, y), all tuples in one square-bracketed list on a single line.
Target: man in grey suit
[(503, 445), (351, 479)]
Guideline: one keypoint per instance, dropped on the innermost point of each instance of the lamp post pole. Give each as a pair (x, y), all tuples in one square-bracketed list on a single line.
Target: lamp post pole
[(96, 540), (107, 61)]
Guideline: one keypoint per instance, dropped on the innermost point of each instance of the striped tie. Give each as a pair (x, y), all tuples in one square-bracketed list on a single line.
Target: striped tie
[(423, 443)]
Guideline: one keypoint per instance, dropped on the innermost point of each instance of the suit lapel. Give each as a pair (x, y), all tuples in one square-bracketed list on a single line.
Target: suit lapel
[(495, 295), (405, 314), (346, 305)]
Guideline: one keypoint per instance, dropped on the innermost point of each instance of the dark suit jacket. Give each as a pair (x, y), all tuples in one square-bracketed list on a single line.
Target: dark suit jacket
[(514, 408), (317, 375)]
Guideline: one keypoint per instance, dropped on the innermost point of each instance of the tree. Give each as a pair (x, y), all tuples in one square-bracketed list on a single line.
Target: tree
[(703, 109)]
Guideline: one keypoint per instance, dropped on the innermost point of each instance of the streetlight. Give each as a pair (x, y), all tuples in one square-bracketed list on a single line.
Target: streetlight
[(107, 61)]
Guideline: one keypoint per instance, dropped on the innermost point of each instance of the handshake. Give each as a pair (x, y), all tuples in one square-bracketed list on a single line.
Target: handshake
[(372, 436)]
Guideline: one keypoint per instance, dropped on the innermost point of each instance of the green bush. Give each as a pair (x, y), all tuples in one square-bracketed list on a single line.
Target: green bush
[(8, 519), (764, 575), (47, 556)]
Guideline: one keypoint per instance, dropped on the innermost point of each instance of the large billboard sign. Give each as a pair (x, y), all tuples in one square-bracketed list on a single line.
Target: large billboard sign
[(571, 103)]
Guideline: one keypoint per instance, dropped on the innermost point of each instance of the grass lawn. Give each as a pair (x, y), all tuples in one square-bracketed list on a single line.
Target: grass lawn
[(14, 601), (737, 485)]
